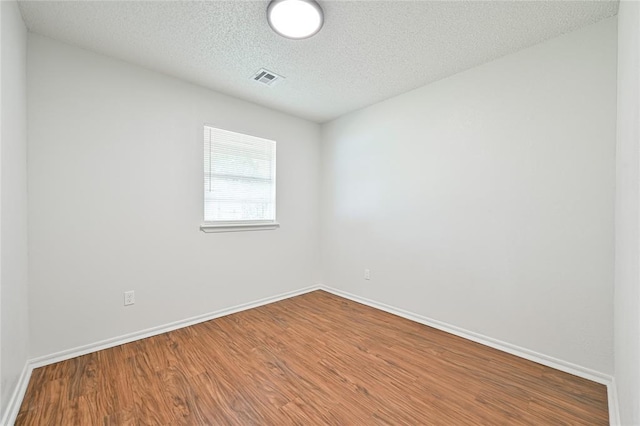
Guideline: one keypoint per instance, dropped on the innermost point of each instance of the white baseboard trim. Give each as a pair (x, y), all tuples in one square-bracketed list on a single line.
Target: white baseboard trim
[(549, 361), (614, 409), (18, 394), (9, 417), (153, 331), (13, 408), (518, 351)]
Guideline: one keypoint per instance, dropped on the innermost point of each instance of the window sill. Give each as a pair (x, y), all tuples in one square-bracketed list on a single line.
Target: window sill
[(236, 227)]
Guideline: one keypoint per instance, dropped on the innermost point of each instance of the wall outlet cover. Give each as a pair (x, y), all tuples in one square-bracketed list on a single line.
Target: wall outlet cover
[(129, 298)]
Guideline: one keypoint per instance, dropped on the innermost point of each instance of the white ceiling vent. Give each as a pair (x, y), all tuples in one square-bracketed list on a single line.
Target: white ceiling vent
[(267, 77)]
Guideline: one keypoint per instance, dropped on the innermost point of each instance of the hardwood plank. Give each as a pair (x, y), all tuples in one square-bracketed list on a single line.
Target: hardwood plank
[(312, 359)]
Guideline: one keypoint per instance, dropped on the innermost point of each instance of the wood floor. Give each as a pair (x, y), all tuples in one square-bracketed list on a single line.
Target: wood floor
[(312, 359)]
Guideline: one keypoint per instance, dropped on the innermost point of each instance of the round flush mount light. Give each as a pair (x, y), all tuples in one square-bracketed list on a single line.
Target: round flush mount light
[(295, 19)]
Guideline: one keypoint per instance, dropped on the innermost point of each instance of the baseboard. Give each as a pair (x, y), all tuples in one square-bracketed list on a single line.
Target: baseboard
[(614, 409), (143, 334), (549, 361), (537, 357), (17, 396), (13, 408)]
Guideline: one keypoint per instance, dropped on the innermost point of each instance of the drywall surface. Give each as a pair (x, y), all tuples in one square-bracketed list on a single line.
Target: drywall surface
[(485, 200), (116, 200), (627, 246), (13, 202)]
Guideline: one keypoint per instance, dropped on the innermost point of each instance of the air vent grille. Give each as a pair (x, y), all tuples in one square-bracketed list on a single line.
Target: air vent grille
[(267, 77)]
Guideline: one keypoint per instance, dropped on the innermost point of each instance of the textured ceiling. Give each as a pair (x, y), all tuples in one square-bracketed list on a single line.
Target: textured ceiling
[(367, 51)]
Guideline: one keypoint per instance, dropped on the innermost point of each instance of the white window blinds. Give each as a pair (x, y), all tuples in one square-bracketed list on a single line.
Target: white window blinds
[(239, 177)]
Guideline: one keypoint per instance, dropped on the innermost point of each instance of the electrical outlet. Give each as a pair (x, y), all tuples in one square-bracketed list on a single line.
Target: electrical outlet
[(367, 274), (129, 298)]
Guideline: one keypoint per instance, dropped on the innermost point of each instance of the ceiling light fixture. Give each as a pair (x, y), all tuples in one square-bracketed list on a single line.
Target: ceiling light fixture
[(295, 19)]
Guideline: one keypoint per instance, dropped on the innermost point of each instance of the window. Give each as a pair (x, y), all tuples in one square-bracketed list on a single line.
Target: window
[(239, 182)]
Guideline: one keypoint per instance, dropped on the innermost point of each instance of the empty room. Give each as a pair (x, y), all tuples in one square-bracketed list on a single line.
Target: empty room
[(320, 212)]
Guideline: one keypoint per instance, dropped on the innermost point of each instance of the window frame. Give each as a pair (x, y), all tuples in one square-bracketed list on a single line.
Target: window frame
[(237, 225)]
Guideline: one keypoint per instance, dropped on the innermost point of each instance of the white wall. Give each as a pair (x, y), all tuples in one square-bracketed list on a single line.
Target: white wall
[(115, 200), (627, 247), (13, 202), (485, 200)]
